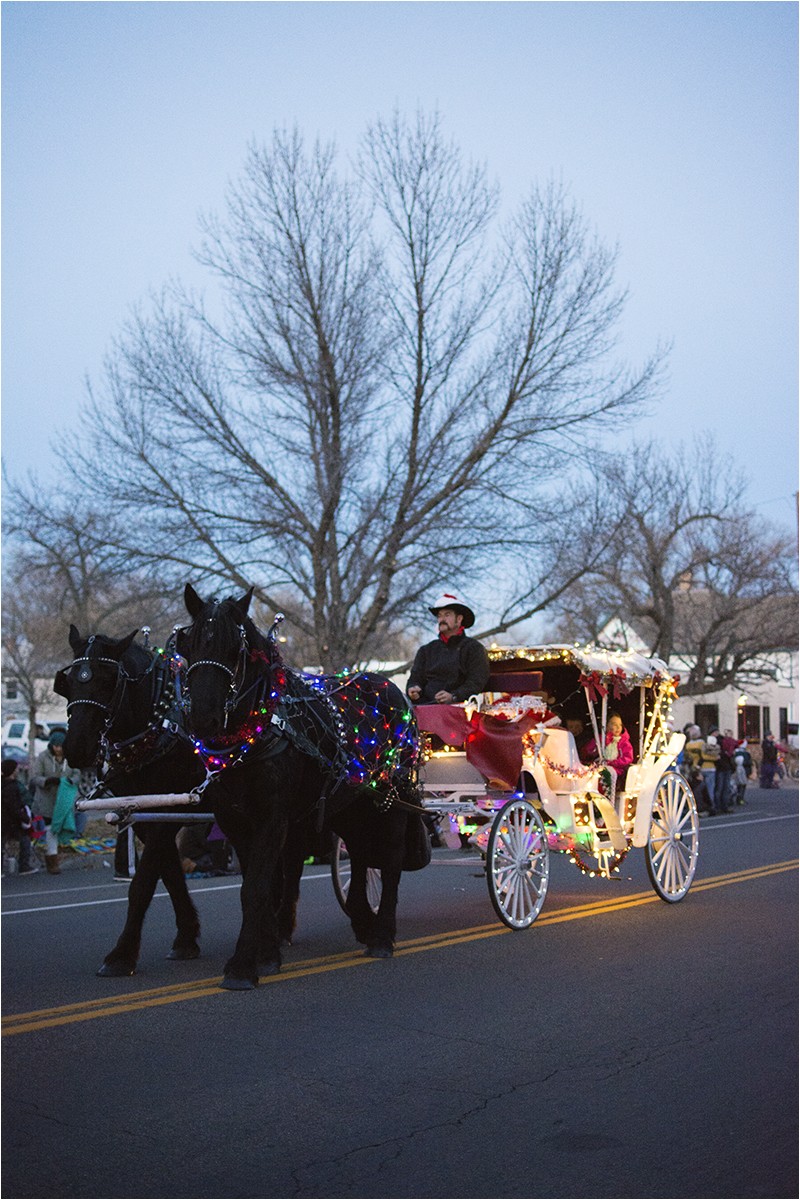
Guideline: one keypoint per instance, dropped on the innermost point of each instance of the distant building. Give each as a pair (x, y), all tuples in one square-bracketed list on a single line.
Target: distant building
[(12, 702), (766, 702)]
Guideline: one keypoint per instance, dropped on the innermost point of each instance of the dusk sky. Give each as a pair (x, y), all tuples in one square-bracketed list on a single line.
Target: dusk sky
[(674, 126)]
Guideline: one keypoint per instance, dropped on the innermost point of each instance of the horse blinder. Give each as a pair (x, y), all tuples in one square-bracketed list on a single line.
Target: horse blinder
[(61, 684)]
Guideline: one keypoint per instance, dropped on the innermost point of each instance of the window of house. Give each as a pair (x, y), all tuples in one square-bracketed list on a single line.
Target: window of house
[(12, 690), (766, 724), (750, 722), (783, 724), (706, 716)]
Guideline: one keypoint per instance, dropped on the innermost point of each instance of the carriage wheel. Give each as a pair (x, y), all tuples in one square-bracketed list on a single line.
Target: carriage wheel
[(517, 863), (340, 871), (673, 840)]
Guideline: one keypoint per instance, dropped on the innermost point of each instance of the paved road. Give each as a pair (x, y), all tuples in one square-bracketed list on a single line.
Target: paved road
[(621, 1047)]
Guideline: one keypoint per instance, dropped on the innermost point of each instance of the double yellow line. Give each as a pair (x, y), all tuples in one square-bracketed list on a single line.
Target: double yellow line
[(90, 1010)]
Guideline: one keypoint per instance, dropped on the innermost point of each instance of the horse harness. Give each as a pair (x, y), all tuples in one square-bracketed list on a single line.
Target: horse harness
[(158, 737), (282, 715)]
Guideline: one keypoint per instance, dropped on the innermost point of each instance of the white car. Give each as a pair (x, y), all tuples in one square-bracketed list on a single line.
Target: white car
[(16, 733)]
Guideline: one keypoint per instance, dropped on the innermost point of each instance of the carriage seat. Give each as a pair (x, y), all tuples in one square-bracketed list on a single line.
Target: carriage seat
[(516, 683), (559, 749)]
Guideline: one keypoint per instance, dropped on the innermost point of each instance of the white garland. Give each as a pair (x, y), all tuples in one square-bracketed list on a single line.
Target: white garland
[(514, 708)]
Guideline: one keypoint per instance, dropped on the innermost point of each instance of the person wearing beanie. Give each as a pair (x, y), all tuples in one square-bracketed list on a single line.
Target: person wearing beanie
[(49, 769), (692, 755), (453, 667)]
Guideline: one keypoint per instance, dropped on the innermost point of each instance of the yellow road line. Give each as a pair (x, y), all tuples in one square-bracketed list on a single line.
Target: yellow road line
[(88, 1010)]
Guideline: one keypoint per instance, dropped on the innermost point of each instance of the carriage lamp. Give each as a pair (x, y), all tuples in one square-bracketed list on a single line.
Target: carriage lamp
[(582, 812)]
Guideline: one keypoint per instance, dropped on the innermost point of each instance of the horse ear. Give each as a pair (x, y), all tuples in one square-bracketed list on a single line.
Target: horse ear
[(244, 602), (75, 639), (127, 642), (194, 605)]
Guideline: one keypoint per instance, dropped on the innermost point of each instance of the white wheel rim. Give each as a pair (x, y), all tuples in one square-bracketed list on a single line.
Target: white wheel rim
[(520, 865), (673, 842)]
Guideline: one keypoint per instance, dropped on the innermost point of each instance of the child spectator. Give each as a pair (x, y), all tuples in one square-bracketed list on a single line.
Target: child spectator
[(16, 818)]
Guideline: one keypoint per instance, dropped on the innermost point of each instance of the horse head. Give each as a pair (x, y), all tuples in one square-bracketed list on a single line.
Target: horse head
[(92, 685), (230, 665)]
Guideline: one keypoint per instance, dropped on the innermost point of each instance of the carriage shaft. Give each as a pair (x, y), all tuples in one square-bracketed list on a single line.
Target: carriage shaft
[(170, 800)]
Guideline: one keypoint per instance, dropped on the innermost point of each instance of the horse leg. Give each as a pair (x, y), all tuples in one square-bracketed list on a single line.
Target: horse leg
[(187, 921), (123, 958), (293, 861), (384, 930), (258, 936), (362, 918)]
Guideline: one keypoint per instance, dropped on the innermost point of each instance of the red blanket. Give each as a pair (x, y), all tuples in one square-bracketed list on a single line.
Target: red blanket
[(493, 746)]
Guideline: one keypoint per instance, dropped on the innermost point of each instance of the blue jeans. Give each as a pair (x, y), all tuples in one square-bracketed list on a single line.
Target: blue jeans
[(722, 789)]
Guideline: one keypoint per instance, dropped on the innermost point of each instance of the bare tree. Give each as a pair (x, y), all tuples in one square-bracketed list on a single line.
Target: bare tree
[(34, 646), (701, 579), (65, 563), (392, 380), (61, 567)]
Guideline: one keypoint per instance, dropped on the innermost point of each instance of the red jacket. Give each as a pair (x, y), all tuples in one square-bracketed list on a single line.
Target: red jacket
[(624, 752)]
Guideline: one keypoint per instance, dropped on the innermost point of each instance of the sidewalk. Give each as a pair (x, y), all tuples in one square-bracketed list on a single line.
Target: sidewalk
[(91, 851)]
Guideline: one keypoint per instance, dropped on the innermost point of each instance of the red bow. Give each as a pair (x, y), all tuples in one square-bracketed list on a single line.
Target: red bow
[(593, 685), (619, 685)]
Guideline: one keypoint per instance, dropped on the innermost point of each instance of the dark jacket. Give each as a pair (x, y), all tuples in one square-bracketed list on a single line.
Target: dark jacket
[(16, 814), (459, 665)]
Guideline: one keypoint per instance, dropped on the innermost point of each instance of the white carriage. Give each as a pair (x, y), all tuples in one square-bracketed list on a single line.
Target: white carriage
[(503, 773)]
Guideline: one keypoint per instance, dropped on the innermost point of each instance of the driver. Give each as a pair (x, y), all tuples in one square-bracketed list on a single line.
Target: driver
[(453, 667)]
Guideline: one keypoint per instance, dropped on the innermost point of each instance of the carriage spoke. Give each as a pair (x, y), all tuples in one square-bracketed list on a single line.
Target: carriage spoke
[(518, 865), (672, 847)]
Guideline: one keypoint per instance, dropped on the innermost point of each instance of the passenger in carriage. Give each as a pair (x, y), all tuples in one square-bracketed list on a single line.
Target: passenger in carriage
[(618, 749), (580, 734), (453, 667)]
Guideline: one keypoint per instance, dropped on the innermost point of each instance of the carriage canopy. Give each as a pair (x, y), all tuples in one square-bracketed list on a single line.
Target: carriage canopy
[(581, 682)]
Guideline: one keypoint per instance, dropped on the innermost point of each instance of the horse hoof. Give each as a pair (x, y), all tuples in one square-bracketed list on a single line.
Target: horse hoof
[(115, 970), (378, 952), (183, 953), (231, 984)]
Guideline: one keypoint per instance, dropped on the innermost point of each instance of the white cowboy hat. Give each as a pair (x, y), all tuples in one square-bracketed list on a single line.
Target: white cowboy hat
[(457, 603)]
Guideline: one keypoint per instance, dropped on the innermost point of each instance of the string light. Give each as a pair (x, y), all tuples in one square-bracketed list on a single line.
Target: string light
[(369, 749)]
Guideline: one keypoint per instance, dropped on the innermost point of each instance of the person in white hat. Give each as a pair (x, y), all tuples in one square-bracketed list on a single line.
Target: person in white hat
[(453, 667)]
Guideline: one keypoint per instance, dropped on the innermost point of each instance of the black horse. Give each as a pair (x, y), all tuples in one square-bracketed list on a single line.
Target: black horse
[(119, 695), (291, 755)]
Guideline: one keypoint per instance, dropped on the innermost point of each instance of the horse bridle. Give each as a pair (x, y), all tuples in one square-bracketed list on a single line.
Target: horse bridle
[(111, 708), (85, 674), (237, 674)]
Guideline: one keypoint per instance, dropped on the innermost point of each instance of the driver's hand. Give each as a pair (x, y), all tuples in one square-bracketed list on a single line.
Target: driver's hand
[(445, 698), (414, 693)]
